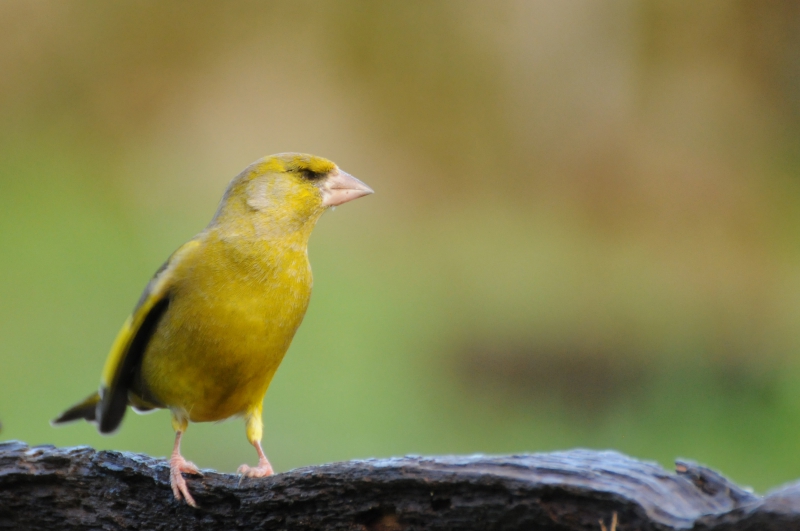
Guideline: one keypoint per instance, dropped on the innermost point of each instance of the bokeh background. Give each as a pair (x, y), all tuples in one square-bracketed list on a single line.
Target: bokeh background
[(586, 230)]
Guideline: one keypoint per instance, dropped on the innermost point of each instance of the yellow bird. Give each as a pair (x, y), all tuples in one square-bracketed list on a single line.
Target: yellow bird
[(214, 323)]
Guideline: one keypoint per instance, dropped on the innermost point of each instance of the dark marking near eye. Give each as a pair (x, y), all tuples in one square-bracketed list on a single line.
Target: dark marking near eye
[(311, 175)]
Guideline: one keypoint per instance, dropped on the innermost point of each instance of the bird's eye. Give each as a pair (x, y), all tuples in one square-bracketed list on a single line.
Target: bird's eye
[(311, 175)]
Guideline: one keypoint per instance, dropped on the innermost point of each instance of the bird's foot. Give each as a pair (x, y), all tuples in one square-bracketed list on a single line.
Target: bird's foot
[(177, 465), (263, 470)]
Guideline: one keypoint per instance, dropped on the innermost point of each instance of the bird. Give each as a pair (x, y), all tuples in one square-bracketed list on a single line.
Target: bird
[(215, 321)]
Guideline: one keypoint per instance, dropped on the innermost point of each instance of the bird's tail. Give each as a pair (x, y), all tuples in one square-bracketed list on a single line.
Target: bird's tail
[(85, 410)]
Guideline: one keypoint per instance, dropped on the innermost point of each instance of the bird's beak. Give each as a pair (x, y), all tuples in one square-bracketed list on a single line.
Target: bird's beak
[(340, 187)]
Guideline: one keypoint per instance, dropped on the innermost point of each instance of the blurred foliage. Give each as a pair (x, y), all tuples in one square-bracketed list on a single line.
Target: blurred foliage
[(585, 231)]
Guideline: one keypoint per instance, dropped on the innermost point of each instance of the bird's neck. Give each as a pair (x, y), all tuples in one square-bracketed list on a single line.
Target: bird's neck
[(257, 244), (276, 223)]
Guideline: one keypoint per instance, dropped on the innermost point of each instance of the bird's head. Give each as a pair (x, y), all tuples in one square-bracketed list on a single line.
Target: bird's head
[(287, 191)]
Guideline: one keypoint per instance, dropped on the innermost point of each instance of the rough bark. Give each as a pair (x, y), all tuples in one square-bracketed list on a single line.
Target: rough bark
[(79, 488)]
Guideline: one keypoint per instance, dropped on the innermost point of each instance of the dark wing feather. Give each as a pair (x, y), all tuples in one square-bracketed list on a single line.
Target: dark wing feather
[(114, 399)]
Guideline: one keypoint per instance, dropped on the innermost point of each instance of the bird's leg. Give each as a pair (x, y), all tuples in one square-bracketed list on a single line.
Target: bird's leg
[(263, 469), (254, 429), (177, 465)]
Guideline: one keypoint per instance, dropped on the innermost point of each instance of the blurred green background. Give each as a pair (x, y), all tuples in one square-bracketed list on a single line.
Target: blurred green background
[(585, 233)]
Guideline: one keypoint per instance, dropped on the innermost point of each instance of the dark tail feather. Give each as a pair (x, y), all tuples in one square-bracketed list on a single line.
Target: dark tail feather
[(86, 410)]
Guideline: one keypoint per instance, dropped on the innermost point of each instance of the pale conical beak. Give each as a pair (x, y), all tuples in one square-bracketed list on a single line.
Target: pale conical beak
[(340, 187)]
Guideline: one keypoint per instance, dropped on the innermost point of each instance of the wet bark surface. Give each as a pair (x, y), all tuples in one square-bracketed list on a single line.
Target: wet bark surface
[(79, 488)]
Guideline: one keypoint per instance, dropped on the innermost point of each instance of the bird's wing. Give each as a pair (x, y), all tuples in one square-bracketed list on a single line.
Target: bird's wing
[(127, 350)]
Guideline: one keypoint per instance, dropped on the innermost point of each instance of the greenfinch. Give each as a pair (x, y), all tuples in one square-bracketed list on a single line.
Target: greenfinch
[(215, 321)]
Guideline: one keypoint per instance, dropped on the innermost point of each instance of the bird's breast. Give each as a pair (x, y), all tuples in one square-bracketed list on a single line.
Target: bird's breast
[(225, 332)]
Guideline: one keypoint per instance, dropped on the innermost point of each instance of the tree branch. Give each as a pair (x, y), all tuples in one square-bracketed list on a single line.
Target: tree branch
[(79, 488)]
